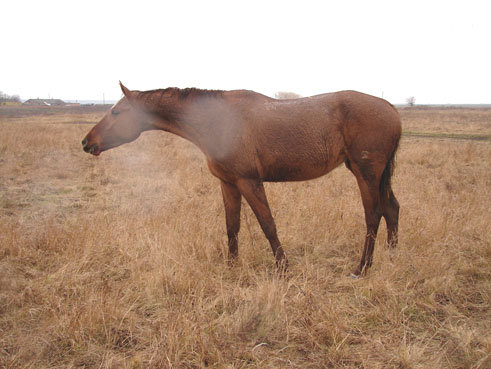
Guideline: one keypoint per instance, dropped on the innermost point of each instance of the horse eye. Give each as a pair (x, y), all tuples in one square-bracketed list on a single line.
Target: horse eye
[(115, 112)]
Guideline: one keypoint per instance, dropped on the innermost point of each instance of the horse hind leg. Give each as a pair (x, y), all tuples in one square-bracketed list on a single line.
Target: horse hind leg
[(368, 175), (391, 216), (390, 205)]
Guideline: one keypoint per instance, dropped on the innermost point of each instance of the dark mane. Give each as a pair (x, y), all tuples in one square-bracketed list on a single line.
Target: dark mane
[(157, 101), (182, 94)]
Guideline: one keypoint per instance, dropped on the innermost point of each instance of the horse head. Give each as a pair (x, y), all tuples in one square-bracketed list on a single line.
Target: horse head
[(123, 123)]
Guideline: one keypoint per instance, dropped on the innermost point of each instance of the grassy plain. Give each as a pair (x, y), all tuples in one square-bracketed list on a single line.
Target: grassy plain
[(119, 261)]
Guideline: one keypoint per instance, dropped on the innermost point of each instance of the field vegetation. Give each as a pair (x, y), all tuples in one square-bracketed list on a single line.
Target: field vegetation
[(119, 261)]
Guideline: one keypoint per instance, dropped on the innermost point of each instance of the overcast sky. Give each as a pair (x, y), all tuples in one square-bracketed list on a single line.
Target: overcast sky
[(436, 51)]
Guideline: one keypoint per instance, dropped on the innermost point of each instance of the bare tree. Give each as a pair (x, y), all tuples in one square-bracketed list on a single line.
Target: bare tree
[(411, 100), (7, 98), (286, 95)]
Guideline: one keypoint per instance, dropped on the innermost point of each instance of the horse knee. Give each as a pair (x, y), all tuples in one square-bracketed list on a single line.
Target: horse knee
[(269, 230), (233, 230), (391, 215), (394, 203), (372, 217), (391, 211)]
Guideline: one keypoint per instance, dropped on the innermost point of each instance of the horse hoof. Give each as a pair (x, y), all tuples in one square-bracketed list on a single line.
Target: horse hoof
[(354, 276)]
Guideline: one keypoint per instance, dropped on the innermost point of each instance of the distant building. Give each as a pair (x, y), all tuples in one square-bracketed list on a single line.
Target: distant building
[(44, 102)]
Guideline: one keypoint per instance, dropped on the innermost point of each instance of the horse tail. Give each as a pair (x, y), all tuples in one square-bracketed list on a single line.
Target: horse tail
[(384, 188)]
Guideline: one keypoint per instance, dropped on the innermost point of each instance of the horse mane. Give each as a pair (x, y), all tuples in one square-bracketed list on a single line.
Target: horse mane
[(154, 100), (181, 94)]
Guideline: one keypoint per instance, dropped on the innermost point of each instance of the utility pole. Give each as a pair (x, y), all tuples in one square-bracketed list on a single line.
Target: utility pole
[(103, 99)]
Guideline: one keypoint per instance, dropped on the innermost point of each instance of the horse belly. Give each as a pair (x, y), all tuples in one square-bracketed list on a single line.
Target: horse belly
[(298, 167), (285, 174)]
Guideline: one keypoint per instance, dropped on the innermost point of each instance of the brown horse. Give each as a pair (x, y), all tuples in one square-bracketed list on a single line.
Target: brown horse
[(249, 138)]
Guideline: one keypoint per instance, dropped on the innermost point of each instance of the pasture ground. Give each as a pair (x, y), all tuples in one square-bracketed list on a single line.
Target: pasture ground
[(119, 261)]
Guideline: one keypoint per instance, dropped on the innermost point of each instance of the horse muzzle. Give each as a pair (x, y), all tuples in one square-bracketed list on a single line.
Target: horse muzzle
[(93, 149)]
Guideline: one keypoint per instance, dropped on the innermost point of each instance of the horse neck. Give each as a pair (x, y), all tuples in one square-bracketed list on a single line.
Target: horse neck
[(195, 118)]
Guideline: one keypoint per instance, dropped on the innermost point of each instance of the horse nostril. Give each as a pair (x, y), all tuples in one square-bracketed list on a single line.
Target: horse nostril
[(84, 142)]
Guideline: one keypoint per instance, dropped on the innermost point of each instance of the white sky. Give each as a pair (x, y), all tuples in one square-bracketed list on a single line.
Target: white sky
[(437, 51)]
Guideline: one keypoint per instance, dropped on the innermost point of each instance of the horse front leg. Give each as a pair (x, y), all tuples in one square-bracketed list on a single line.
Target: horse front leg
[(254, 193), (232, 202)]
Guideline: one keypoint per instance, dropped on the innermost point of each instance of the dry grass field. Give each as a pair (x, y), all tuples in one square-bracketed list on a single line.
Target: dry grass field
[(119, 261)]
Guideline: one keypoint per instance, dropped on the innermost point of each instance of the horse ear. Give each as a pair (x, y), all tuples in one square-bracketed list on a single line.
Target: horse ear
[(131, 96), (126, 91)]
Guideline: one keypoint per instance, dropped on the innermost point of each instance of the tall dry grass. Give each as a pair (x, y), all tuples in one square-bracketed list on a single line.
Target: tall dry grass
[(120, 261)]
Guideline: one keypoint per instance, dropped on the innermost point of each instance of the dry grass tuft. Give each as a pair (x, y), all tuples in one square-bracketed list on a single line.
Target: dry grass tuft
[(120, 261)]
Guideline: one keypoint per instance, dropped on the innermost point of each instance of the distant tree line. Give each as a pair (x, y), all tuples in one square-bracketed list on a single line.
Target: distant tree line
[(9, 98)]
